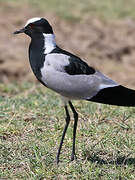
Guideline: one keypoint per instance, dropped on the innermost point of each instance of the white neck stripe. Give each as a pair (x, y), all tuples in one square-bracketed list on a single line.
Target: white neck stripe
[(49, 43)]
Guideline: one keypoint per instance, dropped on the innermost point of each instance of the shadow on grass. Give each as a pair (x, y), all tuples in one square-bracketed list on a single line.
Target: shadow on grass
[(120, 160)]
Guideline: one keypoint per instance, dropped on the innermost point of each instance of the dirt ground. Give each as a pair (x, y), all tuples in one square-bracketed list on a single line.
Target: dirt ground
[(110, 47)]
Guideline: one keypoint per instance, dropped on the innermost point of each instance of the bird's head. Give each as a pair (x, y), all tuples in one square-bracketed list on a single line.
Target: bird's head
[(36, 26)]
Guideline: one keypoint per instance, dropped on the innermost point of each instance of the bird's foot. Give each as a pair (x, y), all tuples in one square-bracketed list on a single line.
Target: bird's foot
[(73, 156), (57, 160)]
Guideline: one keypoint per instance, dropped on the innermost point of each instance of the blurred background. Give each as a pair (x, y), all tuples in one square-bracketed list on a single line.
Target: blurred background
[(102, 33)]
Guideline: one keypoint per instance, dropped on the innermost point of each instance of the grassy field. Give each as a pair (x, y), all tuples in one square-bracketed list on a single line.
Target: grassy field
[(32, 117), (31, 124), (79, 9)]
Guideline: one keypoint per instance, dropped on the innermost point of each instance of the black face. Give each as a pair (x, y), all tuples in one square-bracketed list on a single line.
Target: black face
[(36, 28)]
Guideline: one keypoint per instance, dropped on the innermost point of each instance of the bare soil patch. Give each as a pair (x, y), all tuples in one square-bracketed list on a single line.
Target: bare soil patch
[(109, 46)]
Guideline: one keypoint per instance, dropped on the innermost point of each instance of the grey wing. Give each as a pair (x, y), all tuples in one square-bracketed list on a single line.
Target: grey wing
[(77, 86)]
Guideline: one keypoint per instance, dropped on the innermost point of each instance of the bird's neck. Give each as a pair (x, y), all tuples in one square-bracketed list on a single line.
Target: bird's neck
[(39, 47), (49, 43)]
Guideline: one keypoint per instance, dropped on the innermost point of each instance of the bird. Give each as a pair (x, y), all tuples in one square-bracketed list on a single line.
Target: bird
[(69, 76)]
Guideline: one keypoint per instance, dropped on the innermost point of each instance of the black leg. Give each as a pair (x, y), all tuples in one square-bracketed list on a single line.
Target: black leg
[(73, 156), (63, 135)]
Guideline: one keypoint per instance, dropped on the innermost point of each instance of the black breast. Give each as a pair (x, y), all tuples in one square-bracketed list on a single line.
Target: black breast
[(37, 58)]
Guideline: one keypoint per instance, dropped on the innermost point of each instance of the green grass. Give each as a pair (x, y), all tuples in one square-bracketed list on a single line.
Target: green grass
[(79, 9), (32, 118), (31, 124)]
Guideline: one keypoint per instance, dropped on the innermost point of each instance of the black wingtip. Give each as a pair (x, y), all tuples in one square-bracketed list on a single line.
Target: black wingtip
[(118, 95)]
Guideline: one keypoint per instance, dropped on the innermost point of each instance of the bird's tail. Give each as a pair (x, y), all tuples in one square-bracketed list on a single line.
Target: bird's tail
[(118, 95)]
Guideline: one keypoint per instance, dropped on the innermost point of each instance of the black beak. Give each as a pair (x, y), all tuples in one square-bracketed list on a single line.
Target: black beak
[(19, 31)]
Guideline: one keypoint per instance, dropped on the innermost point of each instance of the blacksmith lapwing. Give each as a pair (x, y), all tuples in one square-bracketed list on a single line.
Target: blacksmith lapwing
[(68, 75)]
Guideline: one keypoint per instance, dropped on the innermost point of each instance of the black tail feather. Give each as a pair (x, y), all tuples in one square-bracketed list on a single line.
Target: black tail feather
[(118, 95)]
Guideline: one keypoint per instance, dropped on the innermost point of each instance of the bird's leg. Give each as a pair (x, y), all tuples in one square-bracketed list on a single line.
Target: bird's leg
[(63, 135), (73, 156)]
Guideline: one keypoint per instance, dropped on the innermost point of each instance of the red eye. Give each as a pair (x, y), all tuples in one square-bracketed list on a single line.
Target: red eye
[(31, 25)]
